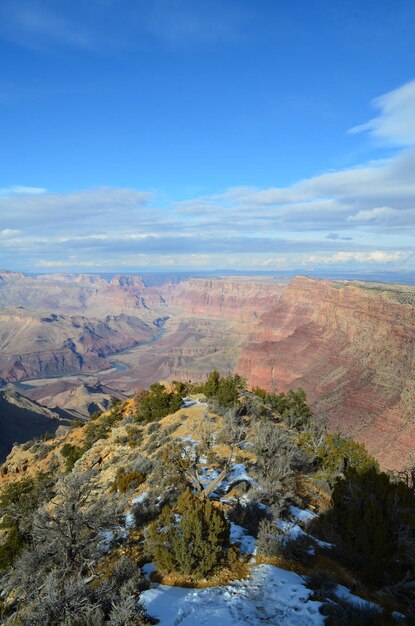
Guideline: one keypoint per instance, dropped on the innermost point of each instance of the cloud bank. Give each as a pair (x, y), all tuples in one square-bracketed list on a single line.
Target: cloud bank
[(356, 217)]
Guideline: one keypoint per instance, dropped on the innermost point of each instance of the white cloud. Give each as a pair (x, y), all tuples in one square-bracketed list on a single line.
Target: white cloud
[(9, 233), (364, 214), (21, 189), (373, 214), (376, 256), (395, 123)]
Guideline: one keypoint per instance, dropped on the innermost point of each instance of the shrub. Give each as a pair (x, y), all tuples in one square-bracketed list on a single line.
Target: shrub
[(94, 432), (249, 515), (18, 501), (71, 454), (157, 403), (195, 542), (337, 454), (125, 612), (321, 582), (126, 481), (375, 519), (356, 615), (153, 427), (279, 457), (268, 539), (11, 548), (146, 511), (169, 430), (292, 406), (127, 577), (299, 548), (225, 389)]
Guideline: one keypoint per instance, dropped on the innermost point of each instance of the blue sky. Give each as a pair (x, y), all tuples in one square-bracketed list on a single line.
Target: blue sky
[(207, 134)]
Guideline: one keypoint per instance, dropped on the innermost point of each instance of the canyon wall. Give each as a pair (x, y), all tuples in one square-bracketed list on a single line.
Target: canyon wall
[(351, 347), (34, 345), (239, 299)]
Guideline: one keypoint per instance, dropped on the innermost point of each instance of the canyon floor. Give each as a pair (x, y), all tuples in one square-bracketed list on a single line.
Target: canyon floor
[(72, 341)]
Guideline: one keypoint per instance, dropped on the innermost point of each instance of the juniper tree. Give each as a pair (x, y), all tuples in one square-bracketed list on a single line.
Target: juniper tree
[(192, 539)]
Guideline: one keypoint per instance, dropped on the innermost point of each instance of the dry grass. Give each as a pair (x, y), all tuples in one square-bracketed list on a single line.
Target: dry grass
[(340, 573), (283, 563), (314, 498), (220, 578)]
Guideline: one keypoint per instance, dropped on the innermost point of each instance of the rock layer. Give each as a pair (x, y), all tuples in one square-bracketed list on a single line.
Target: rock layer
[(351, 347)]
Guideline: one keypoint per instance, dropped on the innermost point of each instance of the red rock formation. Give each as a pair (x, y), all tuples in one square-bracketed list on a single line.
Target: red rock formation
[(238, 299), (352, 349)]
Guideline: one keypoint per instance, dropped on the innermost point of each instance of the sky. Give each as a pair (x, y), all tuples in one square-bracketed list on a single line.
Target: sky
[(207, 134)]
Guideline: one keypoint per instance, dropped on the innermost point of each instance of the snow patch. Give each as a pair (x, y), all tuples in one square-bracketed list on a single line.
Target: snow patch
[(140, 498), (271, 595), (302, 515), (245, 542)]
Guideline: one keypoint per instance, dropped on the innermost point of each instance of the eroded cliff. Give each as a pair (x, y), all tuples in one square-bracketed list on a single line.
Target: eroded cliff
[(351, 347)]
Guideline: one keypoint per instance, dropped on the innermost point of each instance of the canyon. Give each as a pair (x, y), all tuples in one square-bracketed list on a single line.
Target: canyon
[(349, 345)]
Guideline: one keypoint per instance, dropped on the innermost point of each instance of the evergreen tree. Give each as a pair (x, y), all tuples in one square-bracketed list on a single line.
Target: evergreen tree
[(194, 539)]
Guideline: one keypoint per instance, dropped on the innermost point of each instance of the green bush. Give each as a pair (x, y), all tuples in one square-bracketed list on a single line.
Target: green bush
[(93, 432), (194, 542), (157, 403), (337, 454), (375, 519), (11, 548), (71, 454), (225, 389), (292, 406), (17, 503), (125, 481)]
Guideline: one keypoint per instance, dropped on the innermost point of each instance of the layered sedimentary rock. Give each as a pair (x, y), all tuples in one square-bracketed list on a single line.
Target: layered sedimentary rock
[(351, 347), (238, 299), (83, 294), (34, 345), (79, 399)]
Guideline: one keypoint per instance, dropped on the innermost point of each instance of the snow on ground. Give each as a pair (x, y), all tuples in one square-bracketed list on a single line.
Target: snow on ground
[(107, 537), (302, 515), (292, 530), (271, 595), (148, 569), (129, 520), (140, 498), (187, 402), (129, 517), (343, 593), (245, 542), (236, 474)]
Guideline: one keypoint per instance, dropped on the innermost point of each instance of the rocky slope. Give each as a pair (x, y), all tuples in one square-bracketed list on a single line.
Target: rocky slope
[(22, 419), (34, 345), (261, 583), (80, 399)]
